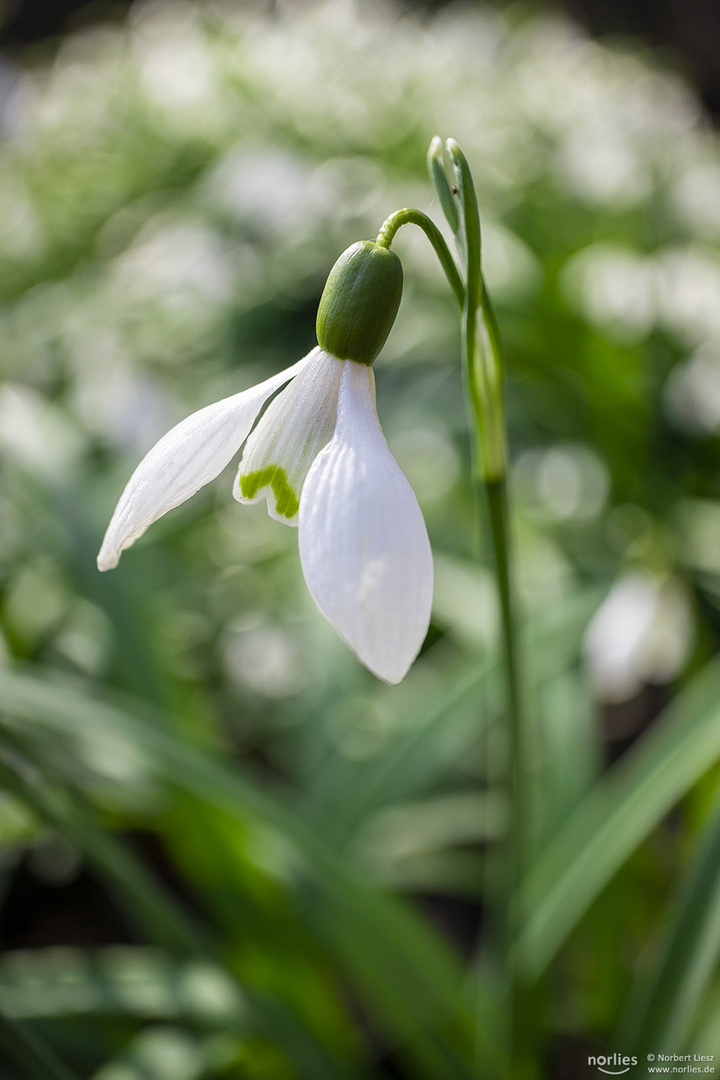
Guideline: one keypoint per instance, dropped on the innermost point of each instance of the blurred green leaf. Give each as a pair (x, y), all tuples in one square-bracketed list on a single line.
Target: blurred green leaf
[(706, 1034), (29, 1052), (396, 958), (661, 1013), (617, 815), (149, 904), (568, 751), (165, 922)]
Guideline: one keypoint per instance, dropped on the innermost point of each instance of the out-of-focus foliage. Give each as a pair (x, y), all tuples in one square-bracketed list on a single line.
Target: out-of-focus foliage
[(187, 731)]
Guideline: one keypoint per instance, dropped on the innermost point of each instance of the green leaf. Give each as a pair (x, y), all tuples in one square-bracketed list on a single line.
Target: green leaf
[(662, 1017), (148, 905), (23, 1047), (570, 750), (706, 1034), (616, 816), (387, 947), (154, 911)]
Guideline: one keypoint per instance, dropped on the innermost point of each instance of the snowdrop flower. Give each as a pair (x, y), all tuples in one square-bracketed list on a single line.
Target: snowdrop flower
[(319, 458)]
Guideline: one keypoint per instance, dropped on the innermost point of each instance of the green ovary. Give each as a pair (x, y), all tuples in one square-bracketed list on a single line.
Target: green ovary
[(275, 477)]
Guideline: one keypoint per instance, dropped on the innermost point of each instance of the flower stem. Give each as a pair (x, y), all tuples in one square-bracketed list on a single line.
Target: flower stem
[(496, 493), (484, 369), (518, 998), (408, 216)]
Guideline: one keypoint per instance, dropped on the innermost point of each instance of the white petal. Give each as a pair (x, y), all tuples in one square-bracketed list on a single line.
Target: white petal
[(363, 543), (188, 457), (281, 449)]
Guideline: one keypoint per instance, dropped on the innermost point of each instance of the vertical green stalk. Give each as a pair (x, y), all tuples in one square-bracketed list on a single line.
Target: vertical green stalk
[(498, 511), (520, 1006), (661, 1012), (484, 367)]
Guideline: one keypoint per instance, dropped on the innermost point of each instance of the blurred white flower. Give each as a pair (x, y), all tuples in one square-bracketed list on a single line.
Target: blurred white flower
[(266, 658), (565, 482), (695, 196), (614, 288), (692, 392), (604, 165), (37, 433), (320, 459), (688, 285), (642, 633)]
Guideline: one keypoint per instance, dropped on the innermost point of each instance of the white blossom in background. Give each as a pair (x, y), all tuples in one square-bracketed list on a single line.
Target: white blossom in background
[(642, 633), (614, 288), (691, 394), (37, 433)]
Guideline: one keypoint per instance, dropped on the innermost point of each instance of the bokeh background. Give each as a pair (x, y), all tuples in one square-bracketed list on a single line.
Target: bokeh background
[(227, 851)]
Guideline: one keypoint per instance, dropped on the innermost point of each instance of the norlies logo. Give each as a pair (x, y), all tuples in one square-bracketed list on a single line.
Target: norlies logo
[(613, 1064)]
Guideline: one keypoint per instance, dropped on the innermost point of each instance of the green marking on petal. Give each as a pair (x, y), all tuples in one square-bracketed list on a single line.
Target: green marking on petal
[(275, 477)]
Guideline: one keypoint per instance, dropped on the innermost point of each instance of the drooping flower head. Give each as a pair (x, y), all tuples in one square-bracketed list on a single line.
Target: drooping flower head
[(319, 458)]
